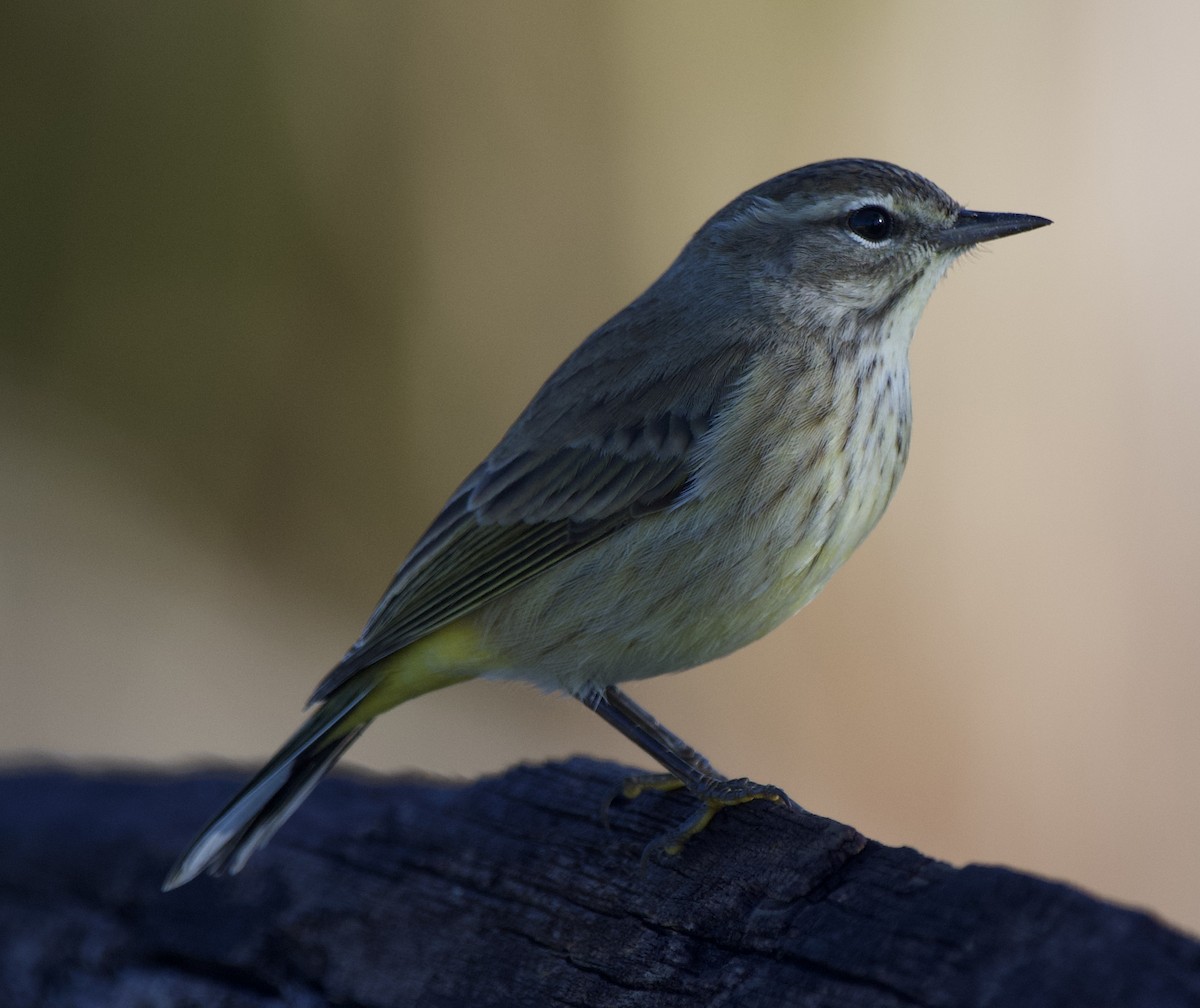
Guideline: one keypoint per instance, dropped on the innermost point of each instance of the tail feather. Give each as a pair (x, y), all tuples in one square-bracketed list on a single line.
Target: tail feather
[(254, 814), (450, 655)]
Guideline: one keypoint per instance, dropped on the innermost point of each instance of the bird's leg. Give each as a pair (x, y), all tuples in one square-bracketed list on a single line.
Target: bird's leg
[(687, 768)]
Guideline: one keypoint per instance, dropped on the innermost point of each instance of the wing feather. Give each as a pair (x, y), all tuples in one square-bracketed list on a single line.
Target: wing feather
[(538, 499)]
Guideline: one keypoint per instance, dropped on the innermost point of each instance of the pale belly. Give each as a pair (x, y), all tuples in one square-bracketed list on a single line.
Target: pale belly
[(681, 587)]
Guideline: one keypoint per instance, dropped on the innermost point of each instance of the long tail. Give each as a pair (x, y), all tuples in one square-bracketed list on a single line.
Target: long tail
[(447, 656), (253, 815)]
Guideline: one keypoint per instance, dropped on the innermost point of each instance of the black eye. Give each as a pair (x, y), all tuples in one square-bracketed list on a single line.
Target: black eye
[(871, 223)]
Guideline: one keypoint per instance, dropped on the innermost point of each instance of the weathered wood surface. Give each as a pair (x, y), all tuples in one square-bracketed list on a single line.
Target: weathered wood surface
[(511, 891)]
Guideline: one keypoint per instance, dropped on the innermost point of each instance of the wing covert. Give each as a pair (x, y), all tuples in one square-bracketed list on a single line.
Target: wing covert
[(537, 500)]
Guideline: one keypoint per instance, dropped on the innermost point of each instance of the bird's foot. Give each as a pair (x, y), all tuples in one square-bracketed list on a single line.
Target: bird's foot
[(715, 794)]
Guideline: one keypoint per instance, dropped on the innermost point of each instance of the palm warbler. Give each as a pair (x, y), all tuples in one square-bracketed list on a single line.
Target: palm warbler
[(689, 477)]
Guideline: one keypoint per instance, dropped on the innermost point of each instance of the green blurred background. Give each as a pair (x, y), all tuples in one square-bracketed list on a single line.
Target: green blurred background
[(274, 276)]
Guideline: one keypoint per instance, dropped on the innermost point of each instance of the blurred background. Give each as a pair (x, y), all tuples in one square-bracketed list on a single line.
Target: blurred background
[(275, 276)]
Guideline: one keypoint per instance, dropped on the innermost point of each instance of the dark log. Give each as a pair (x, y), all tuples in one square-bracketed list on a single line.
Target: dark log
[(511, 891)]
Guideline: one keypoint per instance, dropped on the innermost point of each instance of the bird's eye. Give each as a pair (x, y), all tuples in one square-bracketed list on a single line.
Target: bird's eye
[(871, 223)]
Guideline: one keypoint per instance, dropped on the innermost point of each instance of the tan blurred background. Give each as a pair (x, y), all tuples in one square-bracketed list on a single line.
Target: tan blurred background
[(275, 276)]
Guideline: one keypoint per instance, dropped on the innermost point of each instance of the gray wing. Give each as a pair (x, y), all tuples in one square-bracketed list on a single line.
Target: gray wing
[(570, 472)]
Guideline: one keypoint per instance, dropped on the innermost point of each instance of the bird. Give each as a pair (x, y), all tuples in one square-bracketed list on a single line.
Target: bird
[(688, 478)]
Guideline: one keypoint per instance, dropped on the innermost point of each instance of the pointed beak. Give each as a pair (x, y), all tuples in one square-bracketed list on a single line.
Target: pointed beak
[(973, 226)]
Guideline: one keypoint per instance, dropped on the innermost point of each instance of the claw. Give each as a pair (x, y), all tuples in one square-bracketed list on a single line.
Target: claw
[(716, 795), (639, 784), (636, 785), (688, 769)]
